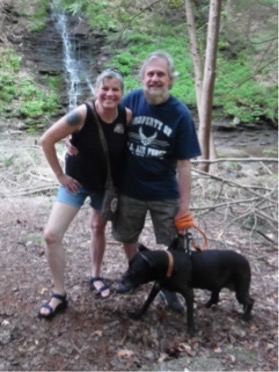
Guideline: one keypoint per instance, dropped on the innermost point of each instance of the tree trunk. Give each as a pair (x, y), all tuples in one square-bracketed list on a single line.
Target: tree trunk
[(204, 110), (194, 50), (209, 80)]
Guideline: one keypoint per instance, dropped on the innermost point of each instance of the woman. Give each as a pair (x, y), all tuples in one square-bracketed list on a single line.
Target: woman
[(84, 177)]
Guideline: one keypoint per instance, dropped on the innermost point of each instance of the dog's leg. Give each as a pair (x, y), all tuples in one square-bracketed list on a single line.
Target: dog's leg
[(154, 291), (189, 298), (242, 294), (247, 303), (247, 309), (214, 299)]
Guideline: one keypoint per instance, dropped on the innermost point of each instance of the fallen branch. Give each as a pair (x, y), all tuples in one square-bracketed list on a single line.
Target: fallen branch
[(238, 160), (222, 207)]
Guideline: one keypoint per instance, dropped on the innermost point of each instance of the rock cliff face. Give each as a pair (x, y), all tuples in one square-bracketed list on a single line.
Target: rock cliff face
[(42, 52)]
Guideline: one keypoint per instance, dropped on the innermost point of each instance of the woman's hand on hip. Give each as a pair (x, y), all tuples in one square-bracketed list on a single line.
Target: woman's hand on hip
[(69, 183)]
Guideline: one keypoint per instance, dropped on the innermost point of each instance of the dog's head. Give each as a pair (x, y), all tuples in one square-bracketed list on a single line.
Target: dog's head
[(144, 267), (138, 272)]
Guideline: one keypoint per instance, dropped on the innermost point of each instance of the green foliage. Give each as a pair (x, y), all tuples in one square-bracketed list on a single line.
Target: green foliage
[(137, 38), (39, 15), (7, 82), (9, 61), (174, 4), (38, 26), (34, 102), (96, 12), (32, 109), (241, 96), (52, 82), (73, 8), (27, 89), (22, 94), (7, 88), (51, 103), (98, 18)]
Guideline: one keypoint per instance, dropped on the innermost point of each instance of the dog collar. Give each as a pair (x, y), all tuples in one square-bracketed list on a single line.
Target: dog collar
[(170, 266)]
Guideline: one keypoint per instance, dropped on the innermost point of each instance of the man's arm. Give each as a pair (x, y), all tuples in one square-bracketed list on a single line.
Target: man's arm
[(184, 184)]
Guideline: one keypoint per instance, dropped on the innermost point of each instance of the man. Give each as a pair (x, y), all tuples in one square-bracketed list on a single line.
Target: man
[(161, 141)]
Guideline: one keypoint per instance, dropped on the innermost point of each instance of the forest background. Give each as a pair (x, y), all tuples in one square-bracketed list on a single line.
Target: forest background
[(246, 80)]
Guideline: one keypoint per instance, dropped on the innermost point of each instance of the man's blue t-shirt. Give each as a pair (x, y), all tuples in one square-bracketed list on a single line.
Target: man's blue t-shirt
[(158, 136)]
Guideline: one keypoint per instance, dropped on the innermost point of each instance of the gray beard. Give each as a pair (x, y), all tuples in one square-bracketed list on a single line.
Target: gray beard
[(156, 99)]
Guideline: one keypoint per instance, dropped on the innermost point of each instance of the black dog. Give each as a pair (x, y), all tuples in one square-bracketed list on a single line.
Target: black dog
[(211, 270)]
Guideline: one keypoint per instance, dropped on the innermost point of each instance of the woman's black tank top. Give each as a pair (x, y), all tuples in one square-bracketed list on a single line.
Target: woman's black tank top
[(89, 166)]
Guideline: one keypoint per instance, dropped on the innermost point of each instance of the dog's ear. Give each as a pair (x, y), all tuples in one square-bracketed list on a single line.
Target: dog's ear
[(142, 248)]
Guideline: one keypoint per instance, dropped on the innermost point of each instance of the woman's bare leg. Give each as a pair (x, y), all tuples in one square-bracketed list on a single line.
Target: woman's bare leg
[(59, 220), (97, 249)]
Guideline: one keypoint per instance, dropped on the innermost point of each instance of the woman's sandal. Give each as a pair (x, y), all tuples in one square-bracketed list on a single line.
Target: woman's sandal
[(99, 291), (52, 312)]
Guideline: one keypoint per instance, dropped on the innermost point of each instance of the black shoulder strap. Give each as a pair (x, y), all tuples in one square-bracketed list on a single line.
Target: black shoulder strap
[(103, 142)]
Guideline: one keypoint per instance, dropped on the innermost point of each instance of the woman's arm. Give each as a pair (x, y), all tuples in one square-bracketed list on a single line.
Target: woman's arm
[(68, 124)]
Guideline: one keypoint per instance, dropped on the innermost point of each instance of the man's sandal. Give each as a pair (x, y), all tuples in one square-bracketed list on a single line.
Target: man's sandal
[(100, 290), (52, 312)]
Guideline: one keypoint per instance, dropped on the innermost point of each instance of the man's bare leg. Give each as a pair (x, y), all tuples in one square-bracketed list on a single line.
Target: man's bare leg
[(130, 250)]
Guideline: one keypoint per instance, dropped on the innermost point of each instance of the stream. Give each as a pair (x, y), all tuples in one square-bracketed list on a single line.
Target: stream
[(249, 141)]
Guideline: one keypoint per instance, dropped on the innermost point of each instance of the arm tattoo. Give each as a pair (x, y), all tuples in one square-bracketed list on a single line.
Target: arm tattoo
[(73, 118)]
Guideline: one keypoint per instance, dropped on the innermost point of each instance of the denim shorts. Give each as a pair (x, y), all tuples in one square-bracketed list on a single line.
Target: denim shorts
[(131, 216), (77, 199)]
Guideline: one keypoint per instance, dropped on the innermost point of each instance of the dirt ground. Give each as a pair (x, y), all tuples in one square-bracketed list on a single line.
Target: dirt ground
[(97, 335)]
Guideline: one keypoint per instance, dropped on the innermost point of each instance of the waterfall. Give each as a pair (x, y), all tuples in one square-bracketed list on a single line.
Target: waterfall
[(76, 65)]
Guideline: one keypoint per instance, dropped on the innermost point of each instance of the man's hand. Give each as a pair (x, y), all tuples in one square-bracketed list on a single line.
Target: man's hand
[(71, 149), (183, 221)]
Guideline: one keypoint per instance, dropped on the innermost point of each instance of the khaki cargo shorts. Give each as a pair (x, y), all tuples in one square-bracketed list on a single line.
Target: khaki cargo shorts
[(131, 215)]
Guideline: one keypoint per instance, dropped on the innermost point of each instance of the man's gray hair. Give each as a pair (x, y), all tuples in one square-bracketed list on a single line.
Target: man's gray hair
[(109, 74), (160, 55)]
